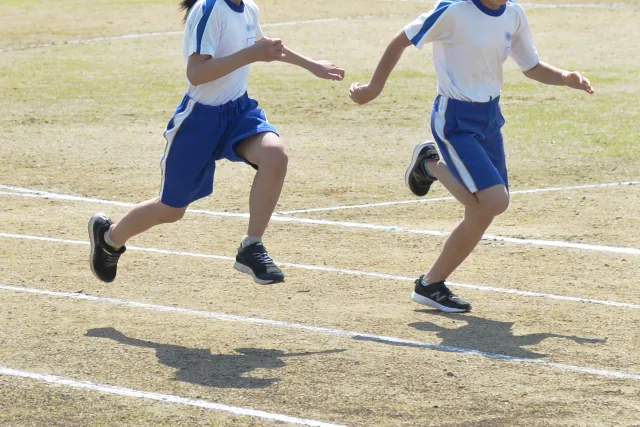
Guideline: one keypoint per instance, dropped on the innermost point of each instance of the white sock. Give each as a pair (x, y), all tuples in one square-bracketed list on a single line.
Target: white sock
[(250, 240), (107, 238)]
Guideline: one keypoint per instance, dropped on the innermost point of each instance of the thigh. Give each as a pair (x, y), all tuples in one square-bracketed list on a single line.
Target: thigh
[(469, 161), (462, 151), (257, 147), (188, 163), (248, 135), (494, 146)]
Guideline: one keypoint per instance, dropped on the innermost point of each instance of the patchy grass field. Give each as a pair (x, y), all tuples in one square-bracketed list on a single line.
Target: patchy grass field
[(553, 336)]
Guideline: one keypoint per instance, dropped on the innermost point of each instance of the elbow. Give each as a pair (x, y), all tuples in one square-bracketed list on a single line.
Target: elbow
[(533, 73), (528, 74), (194, 77)]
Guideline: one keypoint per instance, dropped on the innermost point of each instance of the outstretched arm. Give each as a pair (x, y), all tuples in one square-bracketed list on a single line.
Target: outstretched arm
[(321, 69), (364, 93), (550, 75), (206, 68)]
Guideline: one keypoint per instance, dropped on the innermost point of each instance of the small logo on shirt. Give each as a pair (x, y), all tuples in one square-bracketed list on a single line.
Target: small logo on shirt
[(508, 36), (250, 27)]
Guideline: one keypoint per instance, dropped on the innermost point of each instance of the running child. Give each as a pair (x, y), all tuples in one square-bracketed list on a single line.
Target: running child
[(215, 120), (471, 41)]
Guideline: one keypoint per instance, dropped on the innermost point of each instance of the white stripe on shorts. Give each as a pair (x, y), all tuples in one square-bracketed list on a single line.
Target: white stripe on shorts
[(170, 136), (439, 125)]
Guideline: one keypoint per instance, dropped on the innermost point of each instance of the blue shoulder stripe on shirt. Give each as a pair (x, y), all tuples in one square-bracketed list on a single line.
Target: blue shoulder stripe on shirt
[(202, 25), (432, 19)]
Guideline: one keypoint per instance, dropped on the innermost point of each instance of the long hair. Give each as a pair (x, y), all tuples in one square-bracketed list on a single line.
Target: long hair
[(186, 5)]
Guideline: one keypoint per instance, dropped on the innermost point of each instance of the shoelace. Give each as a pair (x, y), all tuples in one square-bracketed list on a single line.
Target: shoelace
[(263, 258), (448, 292), (110, 258)]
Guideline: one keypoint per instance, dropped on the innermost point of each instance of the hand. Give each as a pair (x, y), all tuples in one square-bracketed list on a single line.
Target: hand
[(326, 70), (267, 50), (362, 94), (577, 81)]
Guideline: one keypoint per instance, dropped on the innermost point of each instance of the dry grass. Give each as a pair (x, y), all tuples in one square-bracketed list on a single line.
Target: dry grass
[(87, 120)]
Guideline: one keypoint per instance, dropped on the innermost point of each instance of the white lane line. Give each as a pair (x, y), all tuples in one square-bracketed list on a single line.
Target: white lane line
[(555, 5), (288, 23), (577, 6), (174, 33), (341, 271), (25, 192), (439, 199), (328, 331), (167, 398)]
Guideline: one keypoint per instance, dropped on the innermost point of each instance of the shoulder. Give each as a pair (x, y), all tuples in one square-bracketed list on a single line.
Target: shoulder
[(514, 7), (251, 5), (516, 13), (204, 9), (452, 6)]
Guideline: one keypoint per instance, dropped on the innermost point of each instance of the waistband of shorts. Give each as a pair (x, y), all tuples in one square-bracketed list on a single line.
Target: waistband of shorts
[(235, 107), (466, 107)]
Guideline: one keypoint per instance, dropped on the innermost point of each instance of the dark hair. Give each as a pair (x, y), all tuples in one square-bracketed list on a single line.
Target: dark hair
[(186, 5)]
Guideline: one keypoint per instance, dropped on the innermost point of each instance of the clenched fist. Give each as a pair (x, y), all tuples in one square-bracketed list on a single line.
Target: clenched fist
[(268, 50)]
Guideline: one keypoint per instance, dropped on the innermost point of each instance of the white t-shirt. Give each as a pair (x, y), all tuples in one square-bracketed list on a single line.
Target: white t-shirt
[(221, 28), (470, 44)]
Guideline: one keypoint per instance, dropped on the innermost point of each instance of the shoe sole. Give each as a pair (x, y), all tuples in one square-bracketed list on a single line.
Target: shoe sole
[(92, 222), (246, 270), (433, 304), (414, 159)]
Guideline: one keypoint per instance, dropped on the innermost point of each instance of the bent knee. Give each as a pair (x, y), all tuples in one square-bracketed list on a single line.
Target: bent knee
[(274, 155), (495, 207), (499, 206), (493, 201)]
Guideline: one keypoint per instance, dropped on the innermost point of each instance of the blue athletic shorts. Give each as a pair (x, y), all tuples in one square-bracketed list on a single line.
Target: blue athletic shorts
[(470, 141), (197, 136)]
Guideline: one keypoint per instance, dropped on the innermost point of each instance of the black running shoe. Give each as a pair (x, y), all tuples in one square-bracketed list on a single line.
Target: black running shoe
[(256, 262), (104, 259), (438, 296), (417, 179)]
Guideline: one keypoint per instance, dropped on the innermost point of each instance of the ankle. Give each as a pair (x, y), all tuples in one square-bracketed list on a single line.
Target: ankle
[(108, 238), (250, 240), (430, 279), (429, 167)]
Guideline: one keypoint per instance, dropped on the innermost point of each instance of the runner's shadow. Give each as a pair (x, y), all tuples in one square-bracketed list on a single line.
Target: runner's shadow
[(488, 336), (200, 366)]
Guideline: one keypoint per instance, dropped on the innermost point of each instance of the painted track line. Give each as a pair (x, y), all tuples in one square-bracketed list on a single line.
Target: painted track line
[(556, 5), (26, 192), (167, 398), (172, 33), (329, 331), (345, 271), (288, 23), (439, 199)]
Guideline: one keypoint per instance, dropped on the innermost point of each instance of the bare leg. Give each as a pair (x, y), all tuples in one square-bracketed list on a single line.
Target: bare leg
[(459, 245), (142, 217), (440, 170), (488, 204), (268, 153)]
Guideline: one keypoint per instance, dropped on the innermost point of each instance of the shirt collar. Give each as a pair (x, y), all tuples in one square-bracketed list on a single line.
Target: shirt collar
[(488, 10)]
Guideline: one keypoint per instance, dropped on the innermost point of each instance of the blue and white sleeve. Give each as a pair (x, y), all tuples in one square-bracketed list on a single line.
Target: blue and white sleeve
[(523, 49), (436, 25), (203, 29)]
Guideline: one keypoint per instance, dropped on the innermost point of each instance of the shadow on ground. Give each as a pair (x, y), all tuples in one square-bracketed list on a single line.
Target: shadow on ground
[(200, 366), (487, 336)]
